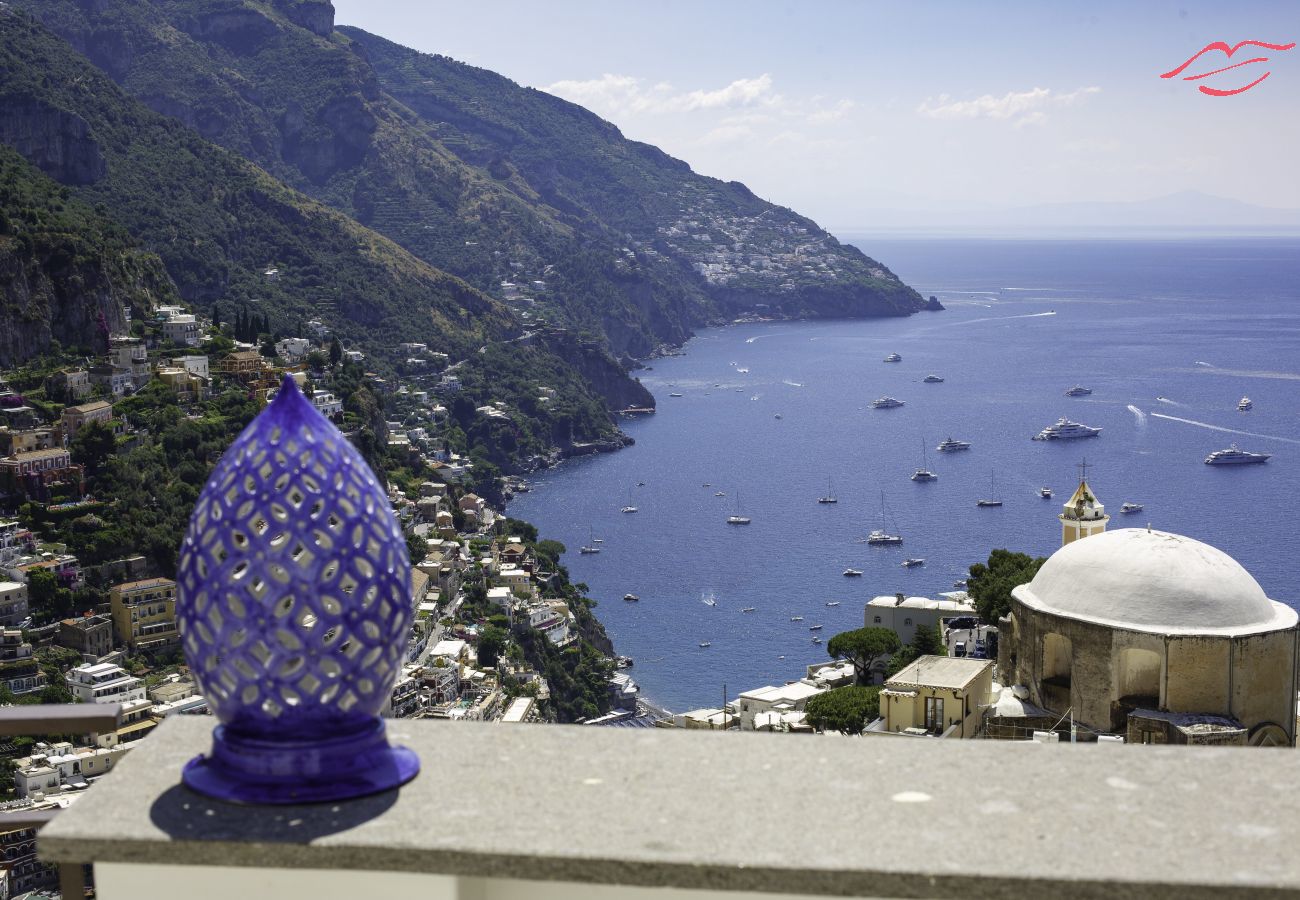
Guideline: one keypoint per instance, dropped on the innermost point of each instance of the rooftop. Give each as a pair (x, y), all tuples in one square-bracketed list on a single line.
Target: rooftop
[(1143, 580), (940, 672)]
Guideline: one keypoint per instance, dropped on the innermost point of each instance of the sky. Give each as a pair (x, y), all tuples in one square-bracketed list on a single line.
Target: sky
[(841, 107)]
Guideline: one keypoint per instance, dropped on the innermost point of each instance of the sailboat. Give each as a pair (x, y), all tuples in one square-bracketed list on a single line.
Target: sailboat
[(737, 519), (629, 508), (992, 500), (924, 473), (591, 543), (830, 494), (880, 536)]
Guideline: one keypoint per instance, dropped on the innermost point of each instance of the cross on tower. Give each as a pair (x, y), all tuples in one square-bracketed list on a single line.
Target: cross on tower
[(1083, 470)]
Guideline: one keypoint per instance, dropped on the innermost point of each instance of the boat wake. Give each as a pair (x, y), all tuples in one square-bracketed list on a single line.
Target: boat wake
[(1201, 362), (1004, 318), (1256, 373), (1138, 414), (1269, 437)]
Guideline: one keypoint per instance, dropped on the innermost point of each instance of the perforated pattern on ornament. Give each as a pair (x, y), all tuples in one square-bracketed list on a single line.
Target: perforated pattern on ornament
[(293, 580)]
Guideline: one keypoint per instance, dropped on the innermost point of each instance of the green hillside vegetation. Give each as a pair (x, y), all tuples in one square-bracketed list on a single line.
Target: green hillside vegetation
[(217, 221), (474, 174), (66, 269)]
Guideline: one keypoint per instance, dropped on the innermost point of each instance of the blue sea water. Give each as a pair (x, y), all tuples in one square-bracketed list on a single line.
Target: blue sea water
[(1168, 334)]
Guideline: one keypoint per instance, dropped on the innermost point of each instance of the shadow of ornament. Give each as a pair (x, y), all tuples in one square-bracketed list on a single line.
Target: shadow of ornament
[(293, 610)]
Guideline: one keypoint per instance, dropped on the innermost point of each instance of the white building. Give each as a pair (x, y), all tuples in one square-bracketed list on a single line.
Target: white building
[(788, 698), (13, 602), (60, 767), (901, 614), (292, 349), (104, 683), (327, 403), (183, 330), (195, 365)]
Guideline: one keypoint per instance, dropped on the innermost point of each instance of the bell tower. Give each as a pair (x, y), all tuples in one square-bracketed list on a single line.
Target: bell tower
[(1083, 514)]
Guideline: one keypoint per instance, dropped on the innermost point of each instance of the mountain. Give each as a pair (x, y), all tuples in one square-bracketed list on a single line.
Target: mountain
[(217, 222), (1186, 211), (67, 271), (474, 174)]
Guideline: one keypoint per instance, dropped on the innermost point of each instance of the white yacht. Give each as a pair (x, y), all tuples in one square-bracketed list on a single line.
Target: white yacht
[(1064, 430), (631, 598), (737, 518), (992, 499), (815, 627), (886, 403), (852, 573), (628, 509), (706, 643), (796, 618), (591, 543), (893, 357), (932, 379), (832, 603), (1045, 492), (924, 473), (674, 395), (1245, 405), (1234, 456), (1078, 391), (950, 446), (830, 494), (880, 536), (913, 562), (747, 609), (1131, 508)]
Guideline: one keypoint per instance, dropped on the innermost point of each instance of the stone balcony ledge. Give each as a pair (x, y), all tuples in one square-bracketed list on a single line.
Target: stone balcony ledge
[(498, 810)]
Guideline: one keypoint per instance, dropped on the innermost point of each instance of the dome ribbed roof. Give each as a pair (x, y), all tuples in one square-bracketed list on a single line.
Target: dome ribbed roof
[(1152, 581)]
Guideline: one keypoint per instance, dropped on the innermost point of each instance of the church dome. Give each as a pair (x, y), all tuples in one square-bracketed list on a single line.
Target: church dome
[(1153, 581)]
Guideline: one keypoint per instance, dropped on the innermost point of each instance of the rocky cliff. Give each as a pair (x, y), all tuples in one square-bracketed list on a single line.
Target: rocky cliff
[(67, 273)]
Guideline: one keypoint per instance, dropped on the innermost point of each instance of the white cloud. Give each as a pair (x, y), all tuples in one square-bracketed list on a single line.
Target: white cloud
[(1020, 107), (838, 111), (613, 94)]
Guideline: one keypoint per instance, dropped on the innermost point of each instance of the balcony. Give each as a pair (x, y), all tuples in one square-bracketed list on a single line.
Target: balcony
[(511, 812)]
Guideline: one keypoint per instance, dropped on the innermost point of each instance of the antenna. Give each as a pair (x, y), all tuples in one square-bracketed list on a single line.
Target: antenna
[(1083, 470)]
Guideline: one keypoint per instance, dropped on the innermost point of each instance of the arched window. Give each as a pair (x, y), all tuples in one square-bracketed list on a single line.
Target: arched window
[(1058, 659), (1139, 678)]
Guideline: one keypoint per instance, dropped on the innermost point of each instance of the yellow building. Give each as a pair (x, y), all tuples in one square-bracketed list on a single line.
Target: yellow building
[(144, 614), (1084, 515), (936, 696)]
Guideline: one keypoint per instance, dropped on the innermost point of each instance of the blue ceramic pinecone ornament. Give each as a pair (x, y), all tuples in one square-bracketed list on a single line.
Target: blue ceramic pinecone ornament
[(293, 608)]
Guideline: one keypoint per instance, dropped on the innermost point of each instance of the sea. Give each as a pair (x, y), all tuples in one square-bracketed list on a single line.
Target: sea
[(1168, 334)]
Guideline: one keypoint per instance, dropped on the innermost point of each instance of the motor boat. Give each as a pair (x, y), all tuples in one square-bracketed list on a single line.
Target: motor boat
[(1131, 508), (932, 379), (1063, 429), (1234, 456), (913, 562), (893, 357), (1078, 391), (950, 445), (886, 403)]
